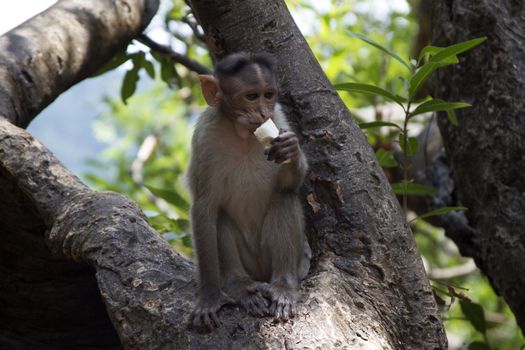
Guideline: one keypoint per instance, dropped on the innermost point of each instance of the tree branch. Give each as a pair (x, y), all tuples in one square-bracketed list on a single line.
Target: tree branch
[(175, 56)]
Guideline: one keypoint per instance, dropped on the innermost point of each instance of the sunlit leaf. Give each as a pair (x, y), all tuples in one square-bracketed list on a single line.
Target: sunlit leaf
[(382, 48), (433, 50), (412, 189), (369, 90), (436, 105), (456, 49), (440, 211), (422, 75), (475, 314)]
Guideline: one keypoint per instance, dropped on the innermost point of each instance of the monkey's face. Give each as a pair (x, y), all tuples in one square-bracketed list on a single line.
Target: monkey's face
[(252, 105)]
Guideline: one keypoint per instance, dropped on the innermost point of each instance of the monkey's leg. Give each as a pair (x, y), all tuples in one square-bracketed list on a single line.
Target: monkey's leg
[(283, 246), (237, 283)]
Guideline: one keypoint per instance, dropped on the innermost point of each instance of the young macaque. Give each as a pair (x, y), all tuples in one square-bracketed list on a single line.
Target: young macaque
[(246, 217)]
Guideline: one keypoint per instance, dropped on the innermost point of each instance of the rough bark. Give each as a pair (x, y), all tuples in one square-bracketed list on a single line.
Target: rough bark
[(487, 149), (69, 250), (363, 249)]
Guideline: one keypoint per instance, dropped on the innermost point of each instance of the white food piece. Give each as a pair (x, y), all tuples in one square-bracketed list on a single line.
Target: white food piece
[(266, 133)]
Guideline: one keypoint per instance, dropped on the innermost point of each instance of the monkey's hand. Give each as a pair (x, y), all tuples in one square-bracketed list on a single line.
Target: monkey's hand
[(284, 147), (283, 301), (204, 317)]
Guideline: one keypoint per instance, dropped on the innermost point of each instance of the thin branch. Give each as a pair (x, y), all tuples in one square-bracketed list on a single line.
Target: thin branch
[(452, 272), (175, 56), (195, 29), (145, 151)]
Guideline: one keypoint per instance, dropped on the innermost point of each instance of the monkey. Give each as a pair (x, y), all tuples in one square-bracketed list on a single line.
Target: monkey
[(246, 216)]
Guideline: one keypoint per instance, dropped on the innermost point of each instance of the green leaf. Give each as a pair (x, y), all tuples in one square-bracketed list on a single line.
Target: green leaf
[(162, 224), (369, 90), (411, 148), (422, 75), (170, 196), (429, 51), (386, 158), (436, 105), (440, 211), (382, 48), (167, 71), (412, 189), (434, 50), (478, 345), (378, 124), (129, 84), (475, 314), (452, 117), (167, 68), (149, 68), (113, 63), (456, 49)]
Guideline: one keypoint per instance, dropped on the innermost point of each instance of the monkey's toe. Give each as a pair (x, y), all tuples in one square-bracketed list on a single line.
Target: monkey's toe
[(204, 319), (256, 305)]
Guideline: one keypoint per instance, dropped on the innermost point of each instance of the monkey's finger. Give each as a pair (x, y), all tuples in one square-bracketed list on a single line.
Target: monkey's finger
[(272, 153), (287, 141), (293, 310), (286, 312), (280, 311), (273, 308), (283, 134), (209, 322), (289, 152)]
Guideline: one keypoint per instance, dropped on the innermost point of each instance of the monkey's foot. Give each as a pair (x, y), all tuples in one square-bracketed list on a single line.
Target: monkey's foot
[(283, 301), (253, 300), (204, 317)]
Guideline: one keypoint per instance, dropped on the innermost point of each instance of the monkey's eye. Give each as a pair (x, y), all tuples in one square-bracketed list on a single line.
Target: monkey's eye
[(252, 96), (269, 95)]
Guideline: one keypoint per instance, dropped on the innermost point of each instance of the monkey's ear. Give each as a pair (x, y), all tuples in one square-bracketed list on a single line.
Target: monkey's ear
[(210, 89)]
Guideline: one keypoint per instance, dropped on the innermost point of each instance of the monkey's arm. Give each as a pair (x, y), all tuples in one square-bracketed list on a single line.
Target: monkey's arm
[(291, 175), (204, 218)]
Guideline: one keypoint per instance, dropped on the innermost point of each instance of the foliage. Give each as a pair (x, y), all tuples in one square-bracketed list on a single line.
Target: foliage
[(480, 317), (430, 59), (160, 114)]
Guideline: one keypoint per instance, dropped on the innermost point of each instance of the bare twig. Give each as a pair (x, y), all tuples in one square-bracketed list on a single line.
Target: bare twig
[(145, 151), (175, 56), (195, 28), (452, 272)]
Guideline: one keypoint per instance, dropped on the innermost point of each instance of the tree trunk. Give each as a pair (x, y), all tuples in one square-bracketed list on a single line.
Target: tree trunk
[(363, 249), (367, 288), (487, 149)]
